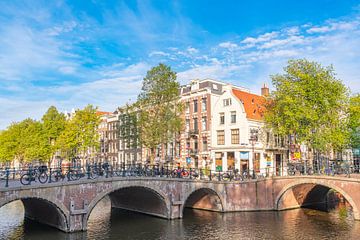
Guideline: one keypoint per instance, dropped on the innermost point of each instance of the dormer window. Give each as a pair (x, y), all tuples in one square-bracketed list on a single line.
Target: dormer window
[(227, 102), (215, 87), (252, 101)]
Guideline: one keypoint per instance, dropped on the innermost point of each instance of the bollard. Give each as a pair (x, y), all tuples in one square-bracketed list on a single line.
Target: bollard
[(210, 175), (190, 174), (88, 171), (7, 178), (50, 173)]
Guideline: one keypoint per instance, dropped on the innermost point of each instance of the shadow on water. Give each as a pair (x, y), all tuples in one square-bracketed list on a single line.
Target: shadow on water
[(107, 223)]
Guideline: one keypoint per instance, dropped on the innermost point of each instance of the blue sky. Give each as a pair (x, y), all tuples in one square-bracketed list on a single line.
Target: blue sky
[(71, 53)]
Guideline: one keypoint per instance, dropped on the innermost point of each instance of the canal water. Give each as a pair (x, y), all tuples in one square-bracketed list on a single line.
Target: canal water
[(105, 223)]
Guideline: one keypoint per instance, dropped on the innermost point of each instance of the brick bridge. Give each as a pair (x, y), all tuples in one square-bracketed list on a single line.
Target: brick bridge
[(67, 205)]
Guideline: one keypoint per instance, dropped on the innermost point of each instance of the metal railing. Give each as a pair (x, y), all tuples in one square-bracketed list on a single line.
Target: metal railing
[(45, 175)]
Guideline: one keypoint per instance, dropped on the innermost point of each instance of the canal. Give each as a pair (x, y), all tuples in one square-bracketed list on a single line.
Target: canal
[(105, 223)]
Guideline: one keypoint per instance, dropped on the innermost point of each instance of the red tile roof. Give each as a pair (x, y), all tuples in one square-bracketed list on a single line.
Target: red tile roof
[(253, 104), (99, 113)]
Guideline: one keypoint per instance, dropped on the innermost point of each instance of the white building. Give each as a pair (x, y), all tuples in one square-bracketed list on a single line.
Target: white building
[(238, 117)]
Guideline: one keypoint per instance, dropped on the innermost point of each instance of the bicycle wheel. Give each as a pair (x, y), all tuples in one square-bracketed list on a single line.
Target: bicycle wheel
[(195, 174), (238, 177), (185, 174), (43, 177), (25, 179), (73, 175), (175, 174), (225, 177), (94, 174), (291, 172), (55, 176)]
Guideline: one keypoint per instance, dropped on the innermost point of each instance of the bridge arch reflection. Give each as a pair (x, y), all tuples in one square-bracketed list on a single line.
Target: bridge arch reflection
[(204, 199), (44, 211), (136, 198), (312, 194)]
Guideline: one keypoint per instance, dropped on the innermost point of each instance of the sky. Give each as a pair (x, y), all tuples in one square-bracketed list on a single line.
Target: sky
[(73, 53)]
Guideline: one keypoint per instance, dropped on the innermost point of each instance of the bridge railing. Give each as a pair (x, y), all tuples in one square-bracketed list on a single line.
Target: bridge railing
[(45, 175)]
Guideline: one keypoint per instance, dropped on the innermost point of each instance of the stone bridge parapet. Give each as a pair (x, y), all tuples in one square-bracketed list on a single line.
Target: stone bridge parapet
[(68, 205)]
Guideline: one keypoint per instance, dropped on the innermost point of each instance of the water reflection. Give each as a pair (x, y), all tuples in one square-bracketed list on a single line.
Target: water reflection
[(105, 223)]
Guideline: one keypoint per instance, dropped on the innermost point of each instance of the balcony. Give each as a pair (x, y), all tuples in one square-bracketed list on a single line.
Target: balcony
[(194, 152), (194, 132)]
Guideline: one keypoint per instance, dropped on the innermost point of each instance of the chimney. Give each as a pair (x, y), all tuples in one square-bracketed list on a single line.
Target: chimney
[(265, 91)]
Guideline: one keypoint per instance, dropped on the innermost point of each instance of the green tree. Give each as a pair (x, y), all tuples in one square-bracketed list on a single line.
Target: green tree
[(310, 103), (24, 141), (158, 108), (53, 126), (354, 121), (8, 143), (80, 136)]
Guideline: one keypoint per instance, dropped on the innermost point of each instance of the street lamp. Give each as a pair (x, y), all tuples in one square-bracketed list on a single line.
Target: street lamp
[(253, 139)]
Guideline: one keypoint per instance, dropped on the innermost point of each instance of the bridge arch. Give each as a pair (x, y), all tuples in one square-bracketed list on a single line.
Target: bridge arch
[(204, 198), (137, 197), (309, 185), (43, 210)]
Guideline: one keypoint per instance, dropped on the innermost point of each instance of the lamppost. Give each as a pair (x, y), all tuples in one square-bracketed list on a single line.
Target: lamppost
[(253, 139)]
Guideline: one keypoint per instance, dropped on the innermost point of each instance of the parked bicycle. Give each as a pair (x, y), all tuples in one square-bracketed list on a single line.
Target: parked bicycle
[(232, 176), (33, 174), (180, 173), (69, 174)]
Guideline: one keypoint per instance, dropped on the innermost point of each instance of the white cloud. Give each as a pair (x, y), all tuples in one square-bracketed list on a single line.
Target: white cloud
[(261, 38), (192, 50), (322, 29), (158, 53), (30, 51), (292, 40), (67, 69), (228, 45), (214, 71)]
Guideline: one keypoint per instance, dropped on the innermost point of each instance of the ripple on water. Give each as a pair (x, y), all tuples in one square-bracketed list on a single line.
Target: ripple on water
[(105, 223)]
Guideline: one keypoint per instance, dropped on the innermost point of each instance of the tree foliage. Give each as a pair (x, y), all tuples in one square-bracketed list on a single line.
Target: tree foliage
[(354, 121), (158, 107), (80, 135), (24, 141), (53, 125), (310, 103), (31, 140)]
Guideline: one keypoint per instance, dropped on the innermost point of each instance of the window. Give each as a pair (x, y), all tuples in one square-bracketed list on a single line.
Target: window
[(203, 105), (227, 102), (222, 118), (187, 107), (203, 124), (204, 145), (215, 87), (282, 141), (218, 161), (196, 145), (221, 137), (233, 117), (187, 124), (276, 140), (196, 127), (235, 136), (267, 137), (195, 105)]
